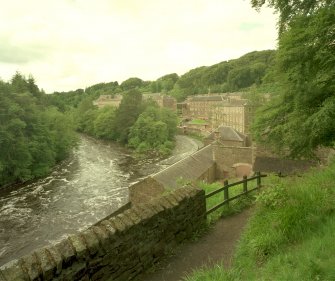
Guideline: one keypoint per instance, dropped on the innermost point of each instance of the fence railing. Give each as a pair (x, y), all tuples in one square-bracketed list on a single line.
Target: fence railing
[(226, 186)]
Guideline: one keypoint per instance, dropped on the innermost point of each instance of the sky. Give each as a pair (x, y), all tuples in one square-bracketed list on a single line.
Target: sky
[(71, 44)]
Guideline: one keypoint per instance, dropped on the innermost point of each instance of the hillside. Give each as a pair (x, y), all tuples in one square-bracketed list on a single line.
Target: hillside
[(233, 75), (290, 235)]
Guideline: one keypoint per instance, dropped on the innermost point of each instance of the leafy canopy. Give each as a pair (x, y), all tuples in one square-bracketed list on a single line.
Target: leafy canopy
[(301, 117)]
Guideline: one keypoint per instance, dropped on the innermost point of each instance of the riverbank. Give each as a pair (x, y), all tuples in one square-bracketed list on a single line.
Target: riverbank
[(90, 185)]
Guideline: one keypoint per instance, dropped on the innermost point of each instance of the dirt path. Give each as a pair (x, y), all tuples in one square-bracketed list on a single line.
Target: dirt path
[(216, 246)]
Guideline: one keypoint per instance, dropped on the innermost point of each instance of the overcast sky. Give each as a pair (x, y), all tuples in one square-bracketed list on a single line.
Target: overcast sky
[(70, 44)]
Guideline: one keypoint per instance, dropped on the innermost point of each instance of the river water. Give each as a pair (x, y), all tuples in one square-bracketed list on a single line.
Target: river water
[(82, 190)]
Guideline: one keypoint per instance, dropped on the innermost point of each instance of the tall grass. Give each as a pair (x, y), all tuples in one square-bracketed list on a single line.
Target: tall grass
[(290, 236), (233, 207)]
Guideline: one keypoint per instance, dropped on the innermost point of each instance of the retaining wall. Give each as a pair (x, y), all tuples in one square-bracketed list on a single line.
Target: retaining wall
[(227, 156), (119, 248)]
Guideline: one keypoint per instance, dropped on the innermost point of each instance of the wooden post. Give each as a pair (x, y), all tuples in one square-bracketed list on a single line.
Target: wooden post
[(225, 191), (245, 184), (258, 179)]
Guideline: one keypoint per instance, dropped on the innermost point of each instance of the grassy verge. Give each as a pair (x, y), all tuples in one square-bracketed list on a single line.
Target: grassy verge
[(198, 122), (234, 206), (290, 236)]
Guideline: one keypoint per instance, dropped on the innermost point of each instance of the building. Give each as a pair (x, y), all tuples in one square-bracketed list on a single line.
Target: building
[(234, 113), (219, 109), (227, 136), (108, 100), (162, 100), (115, 100)]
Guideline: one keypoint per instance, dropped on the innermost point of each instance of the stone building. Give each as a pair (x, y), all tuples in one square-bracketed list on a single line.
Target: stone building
[(162, 100), (108, 100), (200, 106), (115, 100), (227, 136), (219, 109), (234, 113)]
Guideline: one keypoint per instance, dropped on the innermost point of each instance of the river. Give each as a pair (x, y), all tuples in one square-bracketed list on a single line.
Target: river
[(82, 190)]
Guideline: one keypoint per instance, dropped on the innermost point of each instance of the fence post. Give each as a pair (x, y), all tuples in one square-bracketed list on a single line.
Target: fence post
[(225, 191), (258, 179), (245, 184)]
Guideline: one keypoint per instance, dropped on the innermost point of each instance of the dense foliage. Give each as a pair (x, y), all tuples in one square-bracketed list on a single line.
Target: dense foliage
[(33, 135), (254, 69), (301, 117), (227, 76), (141, 125), (155, 128)]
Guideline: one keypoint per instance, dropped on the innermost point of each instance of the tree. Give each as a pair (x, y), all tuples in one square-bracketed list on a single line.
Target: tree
[(131, 83), (19, 83), (154, 130), (33, 135), (127, 114), (288, 10), (301, 118), (104, 123)]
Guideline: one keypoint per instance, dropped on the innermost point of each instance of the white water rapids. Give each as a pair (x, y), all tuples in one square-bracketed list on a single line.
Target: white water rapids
[(87, 187)]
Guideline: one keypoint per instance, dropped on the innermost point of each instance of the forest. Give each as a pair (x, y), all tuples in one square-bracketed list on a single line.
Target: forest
[(34, 135), (300, 117), (252, 71), (139, 124)]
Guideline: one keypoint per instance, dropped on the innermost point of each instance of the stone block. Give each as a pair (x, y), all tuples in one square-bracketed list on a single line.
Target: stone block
[(103, 237), (80, 246), (117, 224), (172, 200), (157, 207), (179, 197), (106, 224), (48, 265), (145, 211), (165, 203), (126, 221), (185, 192), (132, 216), (92, 242), (67, 252), (13, 271), (31, 264), (56, 257), (141, 212)]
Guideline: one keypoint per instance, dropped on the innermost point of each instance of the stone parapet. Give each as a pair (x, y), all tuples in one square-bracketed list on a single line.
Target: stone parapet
[(120, 247)]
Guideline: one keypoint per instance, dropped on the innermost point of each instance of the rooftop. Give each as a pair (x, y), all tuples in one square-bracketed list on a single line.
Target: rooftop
[(189, 168), (228, 133)]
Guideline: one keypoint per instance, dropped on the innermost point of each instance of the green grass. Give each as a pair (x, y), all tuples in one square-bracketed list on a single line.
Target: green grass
[(234, 206), (198, 122), (291, 234)]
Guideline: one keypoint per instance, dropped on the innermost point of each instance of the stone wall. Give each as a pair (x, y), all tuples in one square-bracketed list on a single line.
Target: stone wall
[(119, 248), (145, 190), (210, 175), (227, 156)]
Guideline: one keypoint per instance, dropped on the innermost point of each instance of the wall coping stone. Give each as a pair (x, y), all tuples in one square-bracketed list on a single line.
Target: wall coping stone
[(132, 216), (31, 263), (91, 241), (46, 263), (79, 245), (67, 252), (57, 258)]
